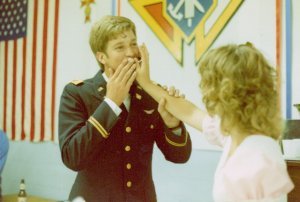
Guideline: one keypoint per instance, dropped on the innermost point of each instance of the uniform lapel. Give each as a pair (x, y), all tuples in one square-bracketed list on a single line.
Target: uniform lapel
[(99, 85), (141, 103)]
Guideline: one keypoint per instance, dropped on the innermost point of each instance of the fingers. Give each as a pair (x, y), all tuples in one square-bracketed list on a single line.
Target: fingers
[(172, 91), (130, 76), (161, 105), (110, 72), (169, 120), (124, 72), (138, 61), (143, 75), (119, 69), (177, 93), (131, 80), (144, 54), (120, 81)]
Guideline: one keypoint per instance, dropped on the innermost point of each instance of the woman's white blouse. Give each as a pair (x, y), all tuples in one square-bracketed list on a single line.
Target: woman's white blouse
[(256, 171)]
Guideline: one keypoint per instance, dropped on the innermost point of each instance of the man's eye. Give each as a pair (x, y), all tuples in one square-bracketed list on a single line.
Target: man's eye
[(119, 47)]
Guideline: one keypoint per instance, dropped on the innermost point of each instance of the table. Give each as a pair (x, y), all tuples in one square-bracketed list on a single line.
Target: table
[(294, 171), (13, 198)]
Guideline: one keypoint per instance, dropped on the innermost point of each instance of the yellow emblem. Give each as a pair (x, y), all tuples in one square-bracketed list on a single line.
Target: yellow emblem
[(175, 21)]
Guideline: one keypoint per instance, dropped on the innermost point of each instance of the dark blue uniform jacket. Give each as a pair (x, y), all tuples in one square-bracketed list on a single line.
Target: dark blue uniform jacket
[(113, 154)]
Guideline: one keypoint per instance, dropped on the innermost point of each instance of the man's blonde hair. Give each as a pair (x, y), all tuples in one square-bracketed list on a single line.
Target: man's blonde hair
[(239, 85), (107, 28)]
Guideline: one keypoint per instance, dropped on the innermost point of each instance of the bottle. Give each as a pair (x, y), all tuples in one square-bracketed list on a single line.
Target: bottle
[(22, 196)]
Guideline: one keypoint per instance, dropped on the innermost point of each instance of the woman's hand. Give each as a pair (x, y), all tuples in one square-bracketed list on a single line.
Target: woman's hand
[(143, 75)]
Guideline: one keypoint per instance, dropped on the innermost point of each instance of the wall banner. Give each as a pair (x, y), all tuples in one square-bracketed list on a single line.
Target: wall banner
[(177, 21)]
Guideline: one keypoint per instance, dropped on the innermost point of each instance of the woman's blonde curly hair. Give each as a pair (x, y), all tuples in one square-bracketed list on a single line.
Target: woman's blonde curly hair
[(238, 85)]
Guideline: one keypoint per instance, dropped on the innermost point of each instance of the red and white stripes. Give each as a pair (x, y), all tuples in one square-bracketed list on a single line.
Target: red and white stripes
[(28, 76)]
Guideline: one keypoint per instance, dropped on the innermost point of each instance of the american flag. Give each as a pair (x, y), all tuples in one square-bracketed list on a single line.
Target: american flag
[(28, 58)]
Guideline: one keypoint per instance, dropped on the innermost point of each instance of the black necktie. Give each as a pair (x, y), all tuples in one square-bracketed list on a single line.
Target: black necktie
[(132, 89)]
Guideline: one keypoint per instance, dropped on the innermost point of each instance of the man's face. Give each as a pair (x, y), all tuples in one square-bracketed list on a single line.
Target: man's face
[(123, 46)]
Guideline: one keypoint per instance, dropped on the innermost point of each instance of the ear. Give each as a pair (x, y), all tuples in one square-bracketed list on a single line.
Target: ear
[(101, 57)]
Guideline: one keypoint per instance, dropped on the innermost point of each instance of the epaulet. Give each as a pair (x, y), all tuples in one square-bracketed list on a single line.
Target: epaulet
[(77, 82)]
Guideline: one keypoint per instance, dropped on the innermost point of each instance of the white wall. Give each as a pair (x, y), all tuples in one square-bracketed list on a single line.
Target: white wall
[(295, 57)]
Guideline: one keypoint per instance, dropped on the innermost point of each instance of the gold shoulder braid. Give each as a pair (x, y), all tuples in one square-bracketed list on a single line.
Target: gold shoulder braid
[(77, 82)]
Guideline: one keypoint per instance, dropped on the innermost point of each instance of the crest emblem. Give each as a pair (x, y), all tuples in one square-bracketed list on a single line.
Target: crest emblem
[(177, 21)]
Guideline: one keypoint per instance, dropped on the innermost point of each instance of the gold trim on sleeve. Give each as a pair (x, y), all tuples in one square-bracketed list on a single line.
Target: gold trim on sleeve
[(98, 126), (175, 143)]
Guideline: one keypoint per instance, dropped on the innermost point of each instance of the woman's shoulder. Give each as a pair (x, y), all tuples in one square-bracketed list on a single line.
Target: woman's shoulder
[(262, 147), (259, 165), (258, 153)]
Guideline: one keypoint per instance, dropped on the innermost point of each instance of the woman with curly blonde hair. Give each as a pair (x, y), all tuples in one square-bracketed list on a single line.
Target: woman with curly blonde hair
[(242, 116)]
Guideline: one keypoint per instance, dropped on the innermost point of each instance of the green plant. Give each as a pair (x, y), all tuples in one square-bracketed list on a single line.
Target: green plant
[(297, 106)]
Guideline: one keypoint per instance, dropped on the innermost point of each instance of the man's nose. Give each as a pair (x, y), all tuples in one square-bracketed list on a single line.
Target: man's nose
[(131, 52)]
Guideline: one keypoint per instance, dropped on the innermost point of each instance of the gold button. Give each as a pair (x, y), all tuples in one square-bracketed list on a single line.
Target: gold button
[(127, 148), (151, 126), (129, 184), (100, 88), (128, 129), (128, 166)]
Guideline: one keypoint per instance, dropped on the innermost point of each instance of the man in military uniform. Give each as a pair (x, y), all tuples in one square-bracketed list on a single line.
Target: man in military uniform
[(108, 124)]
